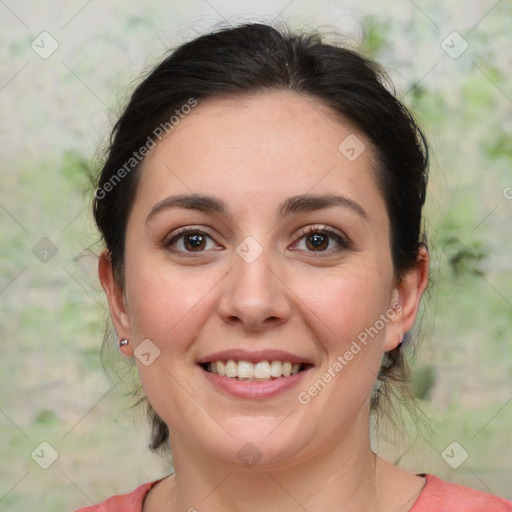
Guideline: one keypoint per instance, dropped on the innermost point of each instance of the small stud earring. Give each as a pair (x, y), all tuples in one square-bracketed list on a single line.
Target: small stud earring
[(123, 342)]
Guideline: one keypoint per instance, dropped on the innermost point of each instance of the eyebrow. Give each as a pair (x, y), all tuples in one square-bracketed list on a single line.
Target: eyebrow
[(295, 204)]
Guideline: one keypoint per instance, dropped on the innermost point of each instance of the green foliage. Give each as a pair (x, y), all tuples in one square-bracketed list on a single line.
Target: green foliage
[(375, 38), (423, 381), (75, 168), (46, 417), (464, 259)]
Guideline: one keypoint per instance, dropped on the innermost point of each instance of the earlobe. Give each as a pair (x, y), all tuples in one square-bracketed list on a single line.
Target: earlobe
[(115, 296), (408, 293), (125, 348)]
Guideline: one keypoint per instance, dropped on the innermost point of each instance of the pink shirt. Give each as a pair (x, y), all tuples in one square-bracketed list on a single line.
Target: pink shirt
[(436, 496)]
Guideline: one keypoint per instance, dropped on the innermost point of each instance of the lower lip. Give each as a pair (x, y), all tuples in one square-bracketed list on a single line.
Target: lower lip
[(255, 390)]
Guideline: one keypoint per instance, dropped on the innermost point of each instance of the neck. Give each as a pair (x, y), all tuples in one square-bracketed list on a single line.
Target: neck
[(341, 476)]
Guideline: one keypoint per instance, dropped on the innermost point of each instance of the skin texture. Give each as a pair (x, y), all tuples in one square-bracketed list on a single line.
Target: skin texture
[(254, 152)]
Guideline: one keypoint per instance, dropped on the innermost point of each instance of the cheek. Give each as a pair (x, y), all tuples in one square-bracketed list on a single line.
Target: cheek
[(347, 303), (169, 307), (167, 304), (349, 323)]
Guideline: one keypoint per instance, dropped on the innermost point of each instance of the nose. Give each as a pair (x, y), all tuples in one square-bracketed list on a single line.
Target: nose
[(254, 295)]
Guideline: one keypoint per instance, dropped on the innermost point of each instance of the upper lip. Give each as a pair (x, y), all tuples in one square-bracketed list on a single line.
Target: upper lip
[(254, 356)]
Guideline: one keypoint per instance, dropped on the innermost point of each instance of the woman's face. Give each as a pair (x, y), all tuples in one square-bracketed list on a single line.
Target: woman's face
[(259, 279)]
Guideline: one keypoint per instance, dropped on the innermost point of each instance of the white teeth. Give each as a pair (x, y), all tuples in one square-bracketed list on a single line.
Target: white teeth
[(245, 370), (262, 370), (276, 369), (231, 368)]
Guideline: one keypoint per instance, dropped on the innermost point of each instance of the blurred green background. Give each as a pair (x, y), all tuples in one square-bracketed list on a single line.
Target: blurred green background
[(56, 111)]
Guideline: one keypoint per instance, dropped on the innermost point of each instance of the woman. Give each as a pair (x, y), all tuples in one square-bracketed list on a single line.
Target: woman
[(261, 206)]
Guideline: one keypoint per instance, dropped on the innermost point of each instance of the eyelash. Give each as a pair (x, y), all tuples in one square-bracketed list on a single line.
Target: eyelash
[(324, 230), (180, 234)]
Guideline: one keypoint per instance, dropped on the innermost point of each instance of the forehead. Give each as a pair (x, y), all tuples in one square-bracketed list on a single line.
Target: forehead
[(248, 150)]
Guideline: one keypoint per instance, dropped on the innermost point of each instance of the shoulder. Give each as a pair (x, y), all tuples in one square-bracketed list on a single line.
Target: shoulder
[(438, 495), (131, 502)]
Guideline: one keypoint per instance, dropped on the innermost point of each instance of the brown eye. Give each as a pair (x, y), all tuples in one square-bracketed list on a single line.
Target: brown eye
[(190, 240), (194, 241), (321, 239), (317, 241)]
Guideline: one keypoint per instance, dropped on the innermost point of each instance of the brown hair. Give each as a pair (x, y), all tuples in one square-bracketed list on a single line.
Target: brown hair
[(258, 57)]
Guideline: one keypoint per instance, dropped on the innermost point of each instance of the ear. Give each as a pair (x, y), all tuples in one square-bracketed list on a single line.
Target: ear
[(115, 295), (406, 295)]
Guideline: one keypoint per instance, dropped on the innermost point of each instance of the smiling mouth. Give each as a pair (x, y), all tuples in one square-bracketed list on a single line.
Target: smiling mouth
[(263, 371)]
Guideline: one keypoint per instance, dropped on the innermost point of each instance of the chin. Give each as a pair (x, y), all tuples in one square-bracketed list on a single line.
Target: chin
[(257, 443)]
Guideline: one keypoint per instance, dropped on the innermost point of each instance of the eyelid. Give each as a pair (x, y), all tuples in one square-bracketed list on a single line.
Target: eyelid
[(341, 238), (179, 233)]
